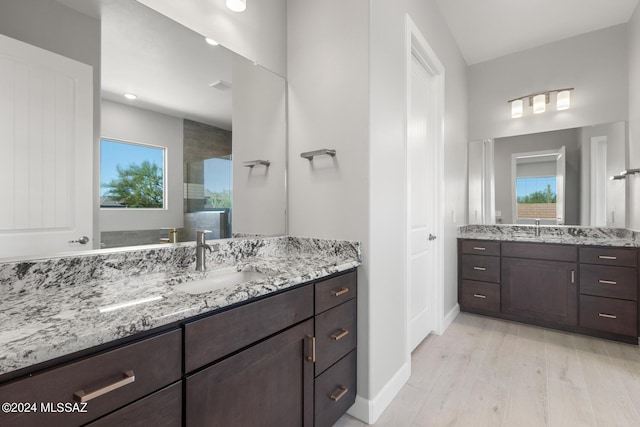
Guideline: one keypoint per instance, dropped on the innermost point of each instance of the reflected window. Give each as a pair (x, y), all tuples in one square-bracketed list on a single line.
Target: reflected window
[(131, 175), (537, 197), (217, 183)]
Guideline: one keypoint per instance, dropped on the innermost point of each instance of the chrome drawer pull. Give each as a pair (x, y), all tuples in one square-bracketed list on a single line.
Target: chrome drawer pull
[(340, 292), (480, 268), (607, 282), (607, 257), (340, 335), (82, 396), (608, 316), (312, 358), (479, 296), (478, 248), (340, 394)]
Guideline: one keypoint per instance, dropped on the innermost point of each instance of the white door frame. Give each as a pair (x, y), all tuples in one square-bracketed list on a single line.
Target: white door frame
[(416, 44)]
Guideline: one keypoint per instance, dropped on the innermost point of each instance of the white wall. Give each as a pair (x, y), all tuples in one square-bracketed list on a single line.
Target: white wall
[(346, 70), (595, 64), (633, 160), (131, 124), (259, 133), (258, 33)]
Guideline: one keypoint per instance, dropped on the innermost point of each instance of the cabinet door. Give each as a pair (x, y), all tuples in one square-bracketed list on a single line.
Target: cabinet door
[(540, 290), (269, 384)]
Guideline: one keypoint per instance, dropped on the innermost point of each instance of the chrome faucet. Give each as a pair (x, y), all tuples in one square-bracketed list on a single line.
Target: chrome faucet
[(537, 227), (201, 249)]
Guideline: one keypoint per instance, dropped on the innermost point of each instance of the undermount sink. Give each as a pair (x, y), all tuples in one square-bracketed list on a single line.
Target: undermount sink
[(218, 279)]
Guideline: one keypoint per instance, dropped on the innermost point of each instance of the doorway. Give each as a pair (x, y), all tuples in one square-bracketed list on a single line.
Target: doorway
[(424, 162)]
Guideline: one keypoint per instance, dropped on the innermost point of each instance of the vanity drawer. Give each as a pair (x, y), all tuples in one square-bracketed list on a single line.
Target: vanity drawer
[(481, 247), (335, 391), (161, 409), (609, 315), (124, 375), (209, 339), (334, 291), (335, 334), (542, 251), (609, 256), (612, 282), (480, 296), (481, 268)]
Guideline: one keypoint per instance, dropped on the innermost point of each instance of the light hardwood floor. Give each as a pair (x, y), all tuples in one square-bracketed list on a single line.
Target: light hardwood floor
[(489, 372)]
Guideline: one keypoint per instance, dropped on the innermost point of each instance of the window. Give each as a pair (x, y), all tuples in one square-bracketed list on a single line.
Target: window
[(217, 183), (131, 175), (537, 197)]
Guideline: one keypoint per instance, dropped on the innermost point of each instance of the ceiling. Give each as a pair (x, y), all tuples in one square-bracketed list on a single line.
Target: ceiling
[(169, 67), (488, 29)]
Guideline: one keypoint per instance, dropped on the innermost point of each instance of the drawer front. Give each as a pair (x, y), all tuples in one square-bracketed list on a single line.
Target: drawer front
[(150, 364), (336, 290), (335, 391), (612, 282), (542, 251), (335, 334), (609, 256), (481, 268), (480, 296), (161, 409), (609, 315), (209, 339), (480, 247)]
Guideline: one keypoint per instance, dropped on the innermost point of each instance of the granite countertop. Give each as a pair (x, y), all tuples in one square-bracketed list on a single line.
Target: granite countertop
[(45, 319), (572, 235)]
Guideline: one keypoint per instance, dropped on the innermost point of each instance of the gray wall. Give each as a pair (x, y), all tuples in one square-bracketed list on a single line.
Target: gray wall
[(505, 147)]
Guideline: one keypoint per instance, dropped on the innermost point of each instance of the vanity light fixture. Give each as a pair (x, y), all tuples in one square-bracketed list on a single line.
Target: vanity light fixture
[(130, 96), (212, 42), (237, 5), (538, 101)]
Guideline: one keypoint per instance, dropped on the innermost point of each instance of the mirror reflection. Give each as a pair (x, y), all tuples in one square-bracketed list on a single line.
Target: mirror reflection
[(205, 108), (560, 177)]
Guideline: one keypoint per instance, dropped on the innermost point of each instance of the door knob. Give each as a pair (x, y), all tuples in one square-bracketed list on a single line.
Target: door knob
[(431, 237), (82, 240)]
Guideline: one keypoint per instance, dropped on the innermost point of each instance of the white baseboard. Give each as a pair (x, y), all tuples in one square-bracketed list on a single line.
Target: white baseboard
[(369, 411), (450, 317)]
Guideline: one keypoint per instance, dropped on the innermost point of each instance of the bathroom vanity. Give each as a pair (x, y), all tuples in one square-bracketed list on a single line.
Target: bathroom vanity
[(276, 351), (567, 278)]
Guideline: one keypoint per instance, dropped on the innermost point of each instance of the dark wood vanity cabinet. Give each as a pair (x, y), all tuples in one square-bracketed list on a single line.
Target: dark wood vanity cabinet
[(535, 287), (585, 289), (287, 359)]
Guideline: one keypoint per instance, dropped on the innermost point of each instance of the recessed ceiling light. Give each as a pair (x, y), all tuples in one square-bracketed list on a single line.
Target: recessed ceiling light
[(237, 5), (130, 96), (212, 42), (220, 85)]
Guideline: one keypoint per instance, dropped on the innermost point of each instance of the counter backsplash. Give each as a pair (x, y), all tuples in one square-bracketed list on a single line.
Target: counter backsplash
[(602, 236), (65, 271)]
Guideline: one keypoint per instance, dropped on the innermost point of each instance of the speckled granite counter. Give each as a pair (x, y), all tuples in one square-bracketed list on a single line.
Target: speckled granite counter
[(54, 307), (572, 235)]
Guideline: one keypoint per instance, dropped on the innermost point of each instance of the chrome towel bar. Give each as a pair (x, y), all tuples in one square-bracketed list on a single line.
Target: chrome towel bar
[(311, 154)]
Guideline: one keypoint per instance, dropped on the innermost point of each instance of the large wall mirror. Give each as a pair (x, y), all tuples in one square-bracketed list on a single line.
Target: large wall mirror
[(563, 177), (218, 119)]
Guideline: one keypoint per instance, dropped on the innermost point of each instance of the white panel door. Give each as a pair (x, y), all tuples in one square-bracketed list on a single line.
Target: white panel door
[(46, 146), (421, 188)]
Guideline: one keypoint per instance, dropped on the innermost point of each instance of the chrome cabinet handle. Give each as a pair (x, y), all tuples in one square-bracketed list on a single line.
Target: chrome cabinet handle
[(607, 282), (608, 316), (337, 396), (83, 396), (480, 268), (479, 296), (607, 257), (343, 333), (573, 276), (478, 248)]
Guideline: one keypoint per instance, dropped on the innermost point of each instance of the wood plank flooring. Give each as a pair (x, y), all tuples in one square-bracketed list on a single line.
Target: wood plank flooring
[(490, 372)]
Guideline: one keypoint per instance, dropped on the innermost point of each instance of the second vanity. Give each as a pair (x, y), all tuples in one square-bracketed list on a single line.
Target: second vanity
[(578, 280), (280, 350)]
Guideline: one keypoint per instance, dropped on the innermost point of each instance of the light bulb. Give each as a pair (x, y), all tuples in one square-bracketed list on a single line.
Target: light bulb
[(237, 5), (539, 103), (517, 108), (563, 101)]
